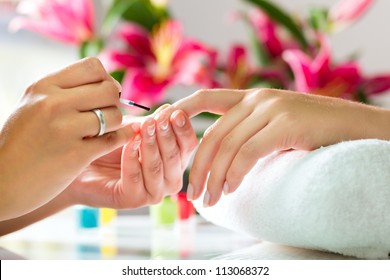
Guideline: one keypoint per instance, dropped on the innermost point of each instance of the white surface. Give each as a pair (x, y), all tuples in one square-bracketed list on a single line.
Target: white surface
[(128, 237), (334, 199), (134, 238)]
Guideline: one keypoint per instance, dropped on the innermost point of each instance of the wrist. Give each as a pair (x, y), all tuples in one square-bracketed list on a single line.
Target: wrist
[(381, 124)]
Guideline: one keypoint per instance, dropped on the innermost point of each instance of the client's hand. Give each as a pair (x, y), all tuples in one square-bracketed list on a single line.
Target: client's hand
[(258, 122), (143, 171)]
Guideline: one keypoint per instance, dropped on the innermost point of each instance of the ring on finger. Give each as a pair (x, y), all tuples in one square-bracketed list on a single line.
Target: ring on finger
[(102, 121)]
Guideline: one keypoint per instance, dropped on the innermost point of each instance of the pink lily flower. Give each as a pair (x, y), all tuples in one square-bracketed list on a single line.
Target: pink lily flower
[(69, 21), (377, 84), (318, 76), (238, 69), (153, 62), (266, 31), (346, 12)]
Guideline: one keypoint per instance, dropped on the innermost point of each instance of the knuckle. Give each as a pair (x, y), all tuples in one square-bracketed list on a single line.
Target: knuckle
[(248, 149), (135, 176), (279, 103), (47, 106), (110, 89), (200, 93), (155, 167), (227, 143), (209, 132), (172, 156), (95, 66), (37, 87), (111, 138)]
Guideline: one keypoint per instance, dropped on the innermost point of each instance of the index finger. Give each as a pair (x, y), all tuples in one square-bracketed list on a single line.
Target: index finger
[(216, 101), (85, 71)]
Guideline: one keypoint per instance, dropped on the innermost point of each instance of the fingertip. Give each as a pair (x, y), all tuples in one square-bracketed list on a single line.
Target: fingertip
[(161, 109), (190, 192), (206, 199), (211, 199), (148, 128), (179, 118), (136, 127)]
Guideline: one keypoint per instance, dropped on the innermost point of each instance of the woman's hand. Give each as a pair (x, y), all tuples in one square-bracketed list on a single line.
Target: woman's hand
[(50, 138), (258, 122), (144, 170)]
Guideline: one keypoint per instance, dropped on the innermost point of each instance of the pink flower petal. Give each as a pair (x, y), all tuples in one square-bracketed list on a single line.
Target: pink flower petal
[(349, 73), (67, 21), (266, 32), (346, 11), (377, 84), (136, 38), (142, 88), (321, 63), (304, 79)]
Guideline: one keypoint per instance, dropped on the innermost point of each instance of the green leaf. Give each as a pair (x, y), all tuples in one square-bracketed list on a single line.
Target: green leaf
[(207, 115), (361, 96), (91, 48), (259, 49), (138, 11), (118, 75), (318, 18), (278, 15)]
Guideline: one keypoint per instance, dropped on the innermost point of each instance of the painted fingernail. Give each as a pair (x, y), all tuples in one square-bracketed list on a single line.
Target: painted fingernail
[(190, 192), (206, 199), (226, 188), (163, 125), (151, 129), (136, 142), (180, 120)]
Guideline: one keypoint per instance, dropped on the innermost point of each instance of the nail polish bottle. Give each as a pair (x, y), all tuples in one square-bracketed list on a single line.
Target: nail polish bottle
[(88, 217), (164, 213)]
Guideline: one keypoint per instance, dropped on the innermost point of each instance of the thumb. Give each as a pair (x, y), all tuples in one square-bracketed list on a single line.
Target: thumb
[(99, 146)]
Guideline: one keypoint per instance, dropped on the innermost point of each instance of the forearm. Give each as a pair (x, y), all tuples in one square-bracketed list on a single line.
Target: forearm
[(59, 203), (379, 125), (361, 121)]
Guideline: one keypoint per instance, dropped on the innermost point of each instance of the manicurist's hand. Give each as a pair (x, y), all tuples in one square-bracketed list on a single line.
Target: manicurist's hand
[(51, 136), (144, 170), (257, 122)]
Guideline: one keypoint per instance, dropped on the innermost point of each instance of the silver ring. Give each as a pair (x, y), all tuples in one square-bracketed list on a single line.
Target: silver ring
[(102, 121)]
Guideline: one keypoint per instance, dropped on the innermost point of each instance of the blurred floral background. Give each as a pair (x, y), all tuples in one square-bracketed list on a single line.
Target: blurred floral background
[(145, 46)]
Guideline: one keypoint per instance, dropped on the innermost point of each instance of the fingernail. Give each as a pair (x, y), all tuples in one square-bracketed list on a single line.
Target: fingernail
[(180, 120), (226, 188), (151, 129), (206, 199), (136, 142), (164, 125), (190, 192)]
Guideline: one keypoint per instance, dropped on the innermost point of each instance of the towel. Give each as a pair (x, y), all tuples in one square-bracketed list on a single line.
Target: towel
[(334, 199)]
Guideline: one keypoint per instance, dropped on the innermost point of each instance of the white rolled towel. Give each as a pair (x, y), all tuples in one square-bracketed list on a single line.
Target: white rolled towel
[(335, 198)]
